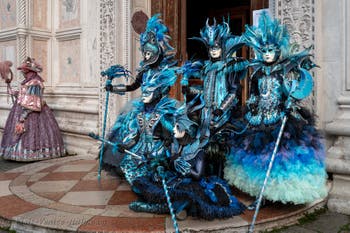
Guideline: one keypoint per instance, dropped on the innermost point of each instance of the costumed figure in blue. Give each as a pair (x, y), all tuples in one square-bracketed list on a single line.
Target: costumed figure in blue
[(158, 58), (280, 79), (221, 75), (190, 191), (147, 128)]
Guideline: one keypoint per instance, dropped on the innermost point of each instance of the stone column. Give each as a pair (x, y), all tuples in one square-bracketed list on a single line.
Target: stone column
[(108, 38), (336, 26), (119, 44), (22, 26)]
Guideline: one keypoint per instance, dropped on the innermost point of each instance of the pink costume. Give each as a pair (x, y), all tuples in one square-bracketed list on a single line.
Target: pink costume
[(31, 132)]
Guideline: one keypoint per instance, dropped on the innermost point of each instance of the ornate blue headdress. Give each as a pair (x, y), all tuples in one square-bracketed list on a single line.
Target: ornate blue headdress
[(155, 40), (159, 82), (269, 32), (219, 35), (212, 35)]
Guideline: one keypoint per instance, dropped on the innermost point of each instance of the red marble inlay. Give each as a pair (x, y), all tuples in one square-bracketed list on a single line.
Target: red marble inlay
[(122, 198), (8, 176), (12, 206), (64, 176), (118, 225), (95, 185)]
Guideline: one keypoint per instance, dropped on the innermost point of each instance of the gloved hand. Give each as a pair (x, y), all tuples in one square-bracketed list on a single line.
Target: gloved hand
[(109, 87), (19, 128), (121, 148)]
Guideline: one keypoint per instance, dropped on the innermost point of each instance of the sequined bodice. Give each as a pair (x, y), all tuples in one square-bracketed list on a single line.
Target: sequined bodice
[(266, 109)]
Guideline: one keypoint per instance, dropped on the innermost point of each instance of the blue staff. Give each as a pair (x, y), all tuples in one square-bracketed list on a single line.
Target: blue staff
[(298, 90), (115, 71)]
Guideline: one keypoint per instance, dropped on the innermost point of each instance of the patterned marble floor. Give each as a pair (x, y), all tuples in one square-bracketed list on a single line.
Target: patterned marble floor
[(65, 194)]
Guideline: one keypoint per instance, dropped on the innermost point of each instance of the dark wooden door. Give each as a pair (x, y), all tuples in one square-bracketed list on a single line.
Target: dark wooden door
[(174, 14)]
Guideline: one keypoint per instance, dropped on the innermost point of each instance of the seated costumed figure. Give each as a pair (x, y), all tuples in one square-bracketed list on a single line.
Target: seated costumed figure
[(221, 75), (31, 132), (189, 190), (158, 56), (279, 81), (147, 128)]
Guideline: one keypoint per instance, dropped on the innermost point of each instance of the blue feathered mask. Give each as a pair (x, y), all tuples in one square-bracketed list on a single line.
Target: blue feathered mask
[(269, 34), (154, 40)]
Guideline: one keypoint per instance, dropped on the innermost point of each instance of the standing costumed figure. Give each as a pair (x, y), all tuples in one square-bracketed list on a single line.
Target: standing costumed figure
[(31, 132), (279, 81), (158, 57), (221, 76)]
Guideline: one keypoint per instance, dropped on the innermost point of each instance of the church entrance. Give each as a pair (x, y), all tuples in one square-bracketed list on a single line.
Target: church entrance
[(185, 19)]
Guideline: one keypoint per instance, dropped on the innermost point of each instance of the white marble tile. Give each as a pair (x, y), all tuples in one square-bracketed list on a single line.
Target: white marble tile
[(37, 176), (4, 188), (75, 168), (104, 176), (87, 198), (53, 186)]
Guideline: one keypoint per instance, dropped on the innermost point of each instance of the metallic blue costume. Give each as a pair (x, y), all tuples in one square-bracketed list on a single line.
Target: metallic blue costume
[(145, 148), (279, 81), (158, 63), (221, 76)]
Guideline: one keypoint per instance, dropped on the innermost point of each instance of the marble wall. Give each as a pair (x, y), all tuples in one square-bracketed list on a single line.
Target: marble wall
[(74, 40), (7, 14), (62, 35)]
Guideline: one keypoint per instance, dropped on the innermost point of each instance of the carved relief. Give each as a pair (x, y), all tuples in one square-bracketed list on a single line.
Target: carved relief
[(69, 13), (107, 50), (69, 61), (298, 16), (7, 14)]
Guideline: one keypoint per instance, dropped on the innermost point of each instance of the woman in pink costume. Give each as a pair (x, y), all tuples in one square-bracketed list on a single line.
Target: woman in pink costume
[(31, 132)]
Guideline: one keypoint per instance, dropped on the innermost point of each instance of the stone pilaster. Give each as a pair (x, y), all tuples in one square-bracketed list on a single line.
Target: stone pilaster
[(22, 26), (108, 37), (336, 61)]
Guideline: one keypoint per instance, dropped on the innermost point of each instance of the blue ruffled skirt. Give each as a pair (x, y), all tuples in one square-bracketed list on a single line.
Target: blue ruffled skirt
[(298, 174)]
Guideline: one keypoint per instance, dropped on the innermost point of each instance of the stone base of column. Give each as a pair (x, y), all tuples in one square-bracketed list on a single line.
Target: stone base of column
[(338, 164), (339, 196)]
